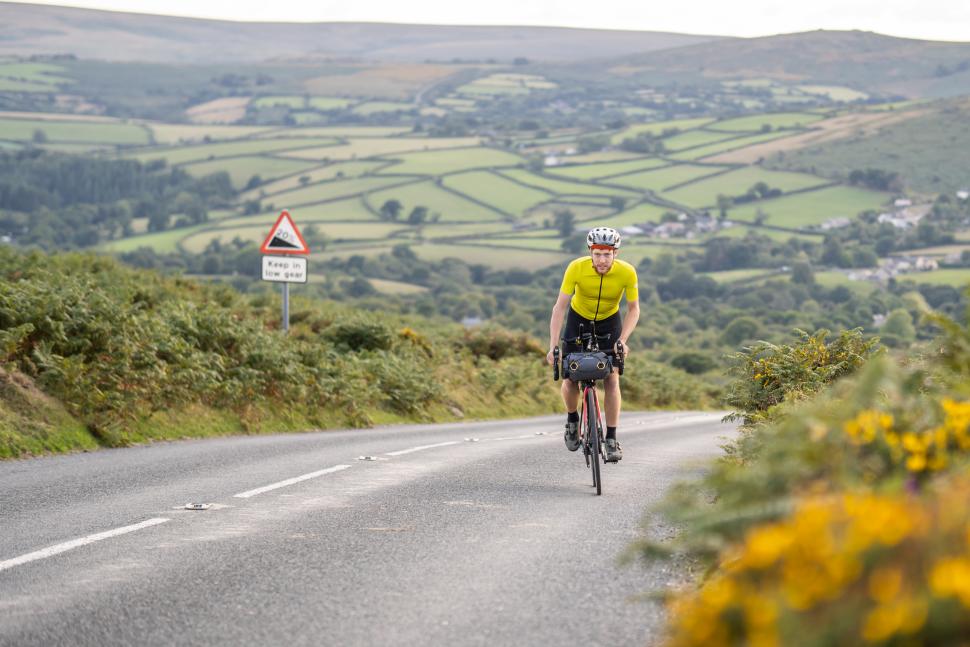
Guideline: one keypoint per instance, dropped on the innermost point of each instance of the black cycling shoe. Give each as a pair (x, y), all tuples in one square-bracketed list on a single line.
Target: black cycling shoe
[(613, 450), (572, 436)]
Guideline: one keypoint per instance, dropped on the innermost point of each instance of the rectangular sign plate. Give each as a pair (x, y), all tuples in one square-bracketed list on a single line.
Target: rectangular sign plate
[(284, 269)]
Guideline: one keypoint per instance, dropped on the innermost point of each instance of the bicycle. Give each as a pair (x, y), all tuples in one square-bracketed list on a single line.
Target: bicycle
[(586, 368)]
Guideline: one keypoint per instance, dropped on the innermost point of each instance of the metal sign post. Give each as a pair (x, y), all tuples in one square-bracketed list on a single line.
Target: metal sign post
[(285, 238)]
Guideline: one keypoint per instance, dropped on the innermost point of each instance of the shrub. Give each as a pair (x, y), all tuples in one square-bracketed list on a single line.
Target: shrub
[(693, 362), (359, 334), (767, 374)]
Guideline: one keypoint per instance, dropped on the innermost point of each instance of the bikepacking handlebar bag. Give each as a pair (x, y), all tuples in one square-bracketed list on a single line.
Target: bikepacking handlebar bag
[(587, 366)]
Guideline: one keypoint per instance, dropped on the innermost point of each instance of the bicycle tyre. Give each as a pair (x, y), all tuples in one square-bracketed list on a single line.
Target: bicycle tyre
[(594, 435)]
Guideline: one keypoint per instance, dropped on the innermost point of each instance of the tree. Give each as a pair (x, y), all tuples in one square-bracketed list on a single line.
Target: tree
[(801, 273), (390, 210), (741, 329), (39, 137), (418, 215), (304, 180), (253, 182), (565, 222), (158, 221), (899, 324), (724, 202)]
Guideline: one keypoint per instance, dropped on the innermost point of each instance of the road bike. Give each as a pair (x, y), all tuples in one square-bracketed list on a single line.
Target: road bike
[(586, 368)]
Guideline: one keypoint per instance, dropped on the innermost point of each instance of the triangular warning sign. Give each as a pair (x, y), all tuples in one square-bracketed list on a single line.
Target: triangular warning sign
[(284, 238)]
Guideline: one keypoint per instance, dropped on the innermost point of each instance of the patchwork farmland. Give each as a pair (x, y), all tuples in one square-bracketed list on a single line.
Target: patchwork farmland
[(367, 188)]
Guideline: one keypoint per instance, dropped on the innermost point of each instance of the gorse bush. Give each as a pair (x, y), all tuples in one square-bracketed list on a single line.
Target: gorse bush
[(847, 569), (844, 519), (768, 374)]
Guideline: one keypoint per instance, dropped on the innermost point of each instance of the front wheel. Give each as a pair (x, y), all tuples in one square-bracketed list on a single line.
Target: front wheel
[(593, 429)]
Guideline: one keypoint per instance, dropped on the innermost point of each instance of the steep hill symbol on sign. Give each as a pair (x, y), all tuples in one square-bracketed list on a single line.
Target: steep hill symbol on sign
[(284, 238)]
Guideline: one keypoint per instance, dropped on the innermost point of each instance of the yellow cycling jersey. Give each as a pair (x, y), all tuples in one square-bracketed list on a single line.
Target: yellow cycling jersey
[(583, 282)]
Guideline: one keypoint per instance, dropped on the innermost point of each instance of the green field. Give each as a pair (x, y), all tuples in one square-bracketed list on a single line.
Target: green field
[(317, 174), (703, 193), (163, 242), (291, 101), (695, 138), (657, 128), (74, 131), (563, 187), (374, 107), (834, 92), (347, 210), (242, 169), (644, 212), (183, 133), (957, 278), (451, 207), (772, 120), (732, 276), (494, 257), (183, 154), (376, 146), (338, 232), (812, 207), (602, 170), (334, 189), (470, 230), (660, 179), (340, 131), (727, 145), (497, 191), (328, 103), (450, 161)]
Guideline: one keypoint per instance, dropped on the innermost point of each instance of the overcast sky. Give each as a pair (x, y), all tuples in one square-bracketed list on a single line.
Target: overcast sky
[(928, 19)]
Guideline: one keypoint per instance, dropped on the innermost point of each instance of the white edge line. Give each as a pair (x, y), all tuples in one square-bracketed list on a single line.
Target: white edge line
[(296, 479), (76, 543), (420, 448)]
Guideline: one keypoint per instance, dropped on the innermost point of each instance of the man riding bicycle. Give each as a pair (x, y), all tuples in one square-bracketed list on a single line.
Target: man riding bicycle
[(591, 290)]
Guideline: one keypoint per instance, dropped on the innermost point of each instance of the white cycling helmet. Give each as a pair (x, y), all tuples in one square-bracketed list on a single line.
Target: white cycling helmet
[(603, 236)]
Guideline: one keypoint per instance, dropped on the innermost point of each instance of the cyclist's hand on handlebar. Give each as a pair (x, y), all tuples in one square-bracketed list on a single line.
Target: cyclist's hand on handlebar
[(620, 348), (549, 357)]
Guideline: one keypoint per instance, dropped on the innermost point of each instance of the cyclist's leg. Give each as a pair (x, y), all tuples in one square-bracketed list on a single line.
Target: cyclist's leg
[(614, 400), (570, 395), (612, 405)]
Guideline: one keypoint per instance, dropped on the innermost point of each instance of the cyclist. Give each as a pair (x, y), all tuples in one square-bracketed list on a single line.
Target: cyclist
[(591, 291)]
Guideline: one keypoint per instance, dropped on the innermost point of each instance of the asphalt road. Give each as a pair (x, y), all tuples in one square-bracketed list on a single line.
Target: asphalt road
[(441, 540)]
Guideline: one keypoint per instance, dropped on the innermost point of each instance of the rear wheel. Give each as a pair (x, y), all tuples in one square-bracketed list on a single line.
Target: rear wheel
[(592, 428)]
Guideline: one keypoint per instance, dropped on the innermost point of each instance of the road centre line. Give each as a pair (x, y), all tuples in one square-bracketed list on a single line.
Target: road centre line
[(421, 448), (296, 479), (77, 543)]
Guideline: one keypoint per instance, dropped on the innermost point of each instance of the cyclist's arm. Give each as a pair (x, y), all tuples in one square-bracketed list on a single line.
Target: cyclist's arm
[(555, 323), (630, 320)]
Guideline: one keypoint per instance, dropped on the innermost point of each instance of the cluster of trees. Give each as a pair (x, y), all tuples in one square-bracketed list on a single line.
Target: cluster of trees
[(392, 210), (63, 201)]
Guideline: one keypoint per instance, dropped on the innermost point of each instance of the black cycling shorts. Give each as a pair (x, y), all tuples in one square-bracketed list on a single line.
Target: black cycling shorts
[(612, 326)]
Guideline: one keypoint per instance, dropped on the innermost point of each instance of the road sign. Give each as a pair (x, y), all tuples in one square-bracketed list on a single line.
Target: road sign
[(284, 238), (283, 269)]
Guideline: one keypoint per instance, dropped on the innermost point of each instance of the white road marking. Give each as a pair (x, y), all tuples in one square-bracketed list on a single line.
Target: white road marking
[(76, 543), (296, 479), (421, 448), (512, 437)]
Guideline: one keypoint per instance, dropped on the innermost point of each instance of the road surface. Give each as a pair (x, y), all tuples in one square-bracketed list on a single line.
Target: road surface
[(460, 534)]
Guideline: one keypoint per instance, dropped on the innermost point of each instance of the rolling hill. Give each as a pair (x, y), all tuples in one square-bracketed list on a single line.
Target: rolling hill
[(863, 60), (113, 36)]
